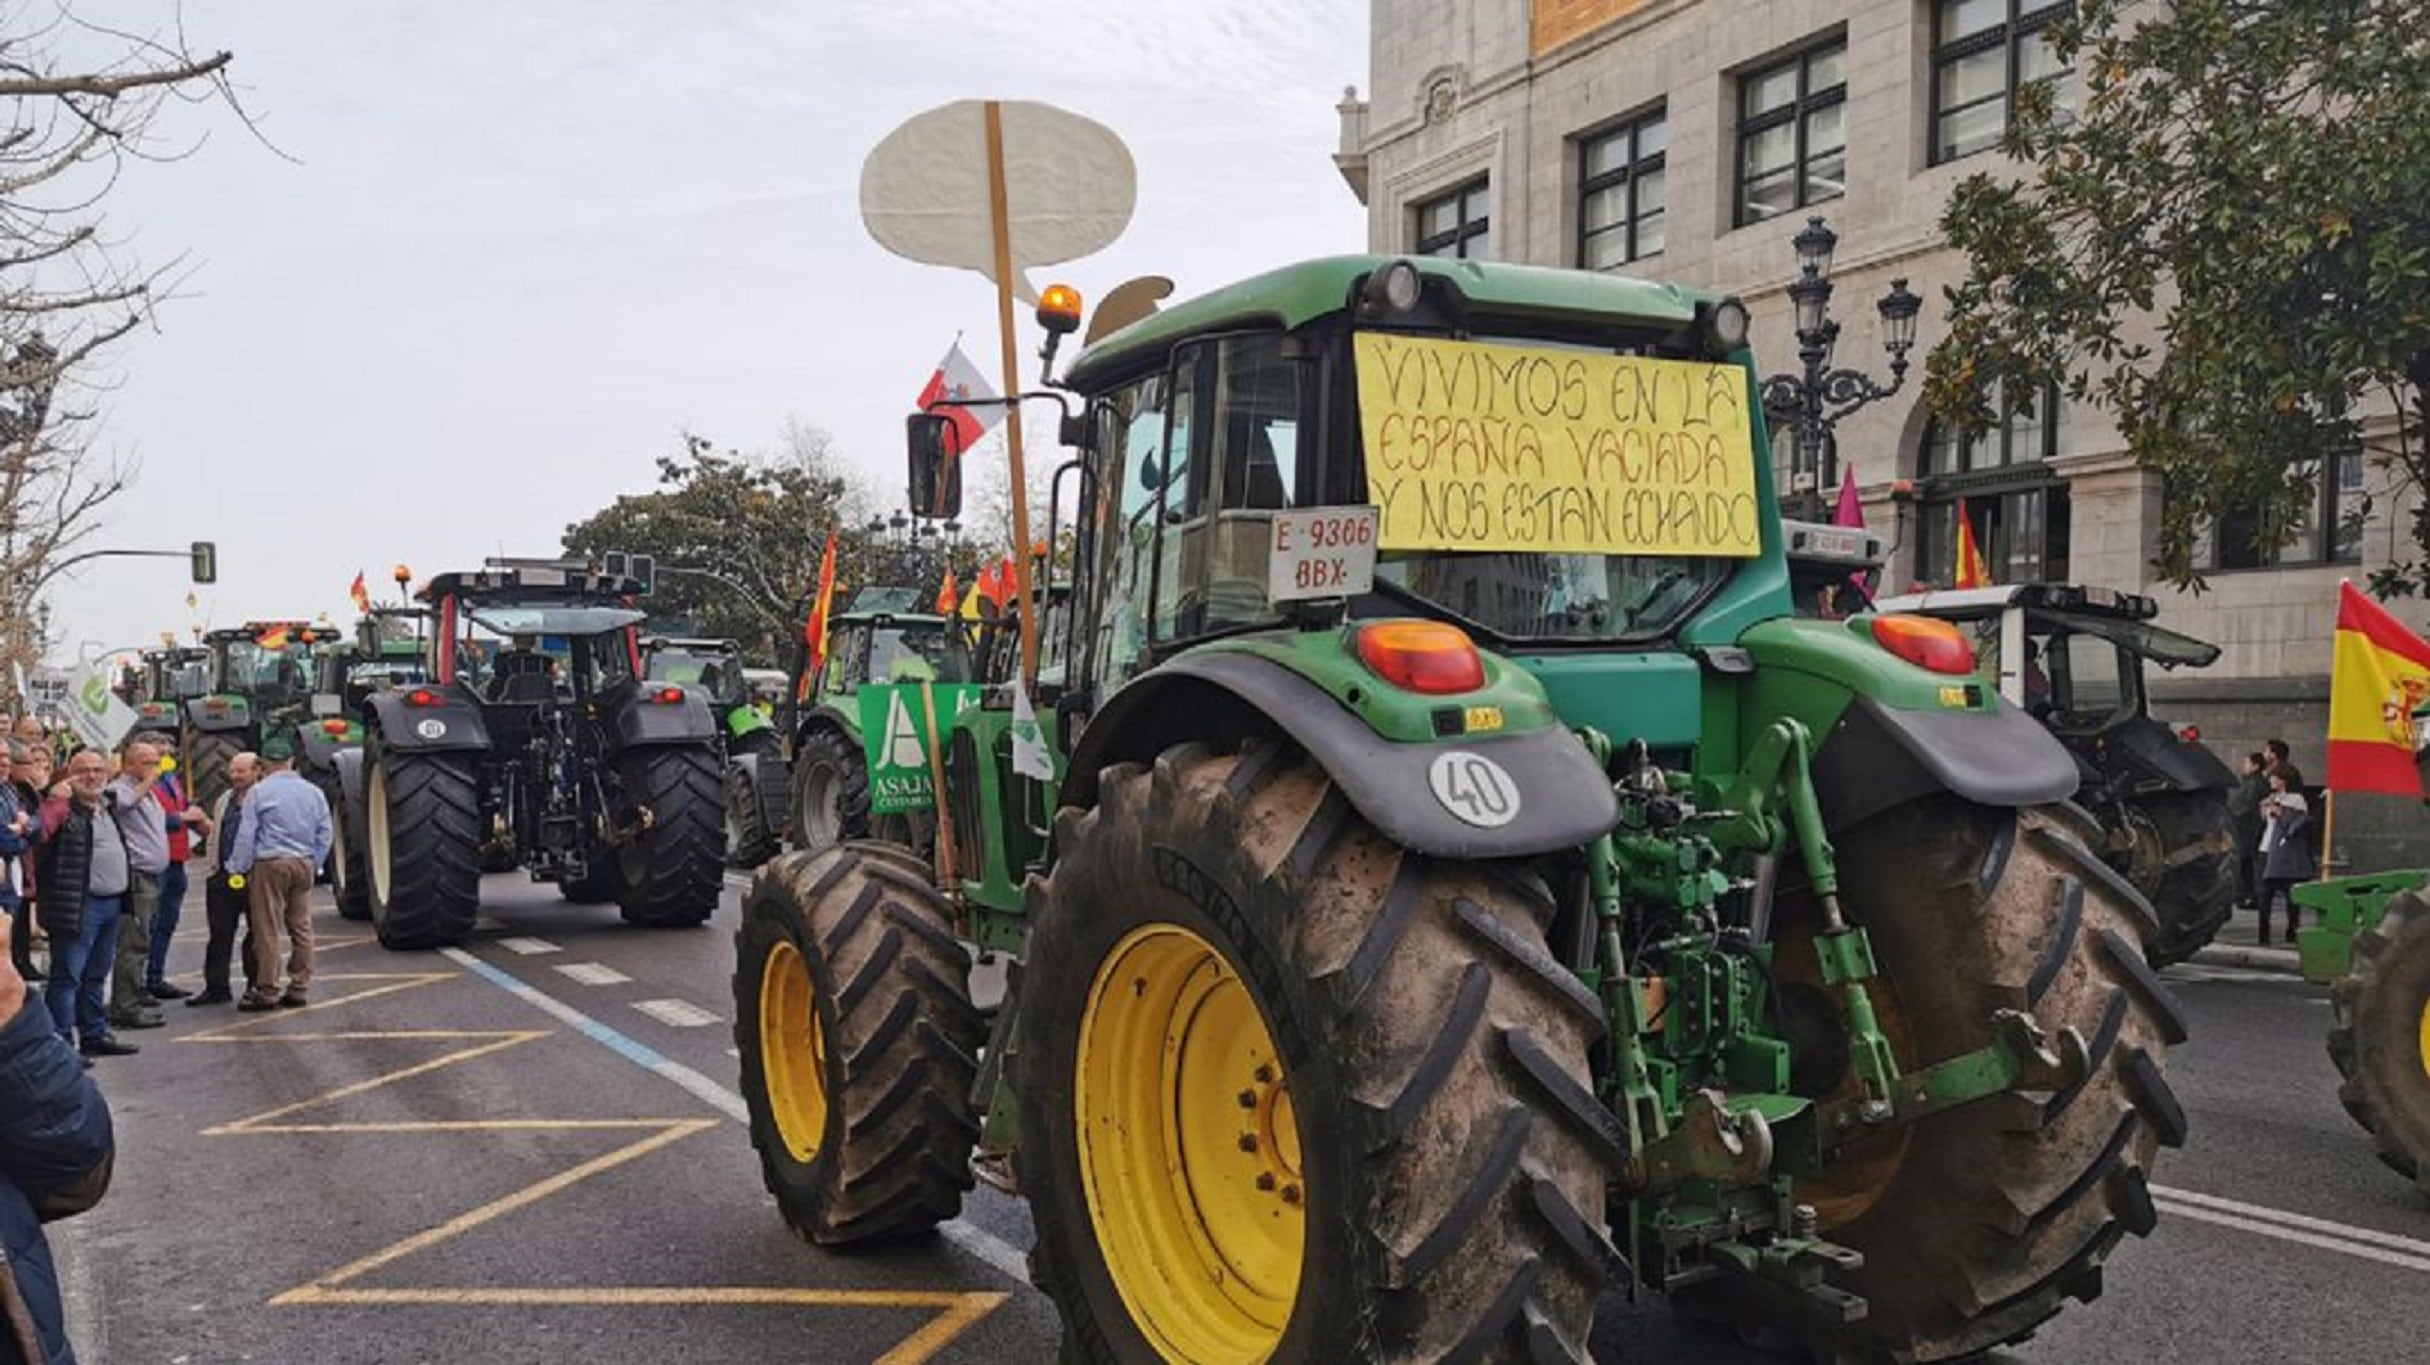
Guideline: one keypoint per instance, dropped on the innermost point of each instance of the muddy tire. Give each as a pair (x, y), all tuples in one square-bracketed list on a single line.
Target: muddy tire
[(1980, 1223), (1419, 1167), (830, 790), (2197, 892), (758, 790), (422, 847), (670, 876), (207, 757), (2381, 1038), (858, 1040)]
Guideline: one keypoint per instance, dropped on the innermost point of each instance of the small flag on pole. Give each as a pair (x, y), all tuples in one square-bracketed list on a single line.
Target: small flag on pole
[(360, 593), (2378, 676), (273, 638), (950, 595), (956, 382), (1970, 570), (814, 631)]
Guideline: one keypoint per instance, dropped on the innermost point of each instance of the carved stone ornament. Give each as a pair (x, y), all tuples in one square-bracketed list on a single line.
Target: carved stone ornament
[(1440, 97)]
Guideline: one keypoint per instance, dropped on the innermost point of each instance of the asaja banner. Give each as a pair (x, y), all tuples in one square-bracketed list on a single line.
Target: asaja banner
[(1473, 446), (895, 737)]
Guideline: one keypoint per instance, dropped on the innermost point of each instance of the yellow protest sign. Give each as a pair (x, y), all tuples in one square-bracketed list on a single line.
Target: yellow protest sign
[(1474, 446)]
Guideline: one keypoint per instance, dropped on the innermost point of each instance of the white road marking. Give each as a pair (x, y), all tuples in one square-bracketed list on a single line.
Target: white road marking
[(675, 1013), (592, 973), (2387, 1248), (989, 1249), (527, 946)]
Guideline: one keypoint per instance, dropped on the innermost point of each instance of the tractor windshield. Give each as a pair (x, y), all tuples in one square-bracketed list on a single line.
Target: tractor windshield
[(260, 670), (911, 654), (719, 676)]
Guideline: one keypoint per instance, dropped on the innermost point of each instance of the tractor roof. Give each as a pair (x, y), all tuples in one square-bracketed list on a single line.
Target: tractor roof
[(1813, 542), (1298, 294), (512, 580), (299, 632), (2072, 597), (692, 644)]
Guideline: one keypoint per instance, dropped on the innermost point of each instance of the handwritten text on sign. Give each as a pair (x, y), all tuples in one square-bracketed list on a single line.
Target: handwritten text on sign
[(1473, 446)]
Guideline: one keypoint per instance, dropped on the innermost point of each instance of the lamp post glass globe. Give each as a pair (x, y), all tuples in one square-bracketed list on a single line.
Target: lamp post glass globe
[(1814, 244)]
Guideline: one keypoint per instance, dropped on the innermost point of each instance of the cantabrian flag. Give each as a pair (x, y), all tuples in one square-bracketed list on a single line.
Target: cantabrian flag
[(2378, 676), (1970, 570)]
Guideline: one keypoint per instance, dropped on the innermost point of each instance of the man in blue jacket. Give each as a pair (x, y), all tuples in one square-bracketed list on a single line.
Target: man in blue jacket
[(55, 1154)]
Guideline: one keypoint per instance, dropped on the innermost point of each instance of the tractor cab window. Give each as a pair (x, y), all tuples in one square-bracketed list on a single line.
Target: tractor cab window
[(2091, 682), (265, 671), (898, 655), (1136, 424), (846, 645)]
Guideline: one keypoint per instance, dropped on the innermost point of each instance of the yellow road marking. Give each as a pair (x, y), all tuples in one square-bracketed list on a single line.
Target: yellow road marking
[(955, 1312)]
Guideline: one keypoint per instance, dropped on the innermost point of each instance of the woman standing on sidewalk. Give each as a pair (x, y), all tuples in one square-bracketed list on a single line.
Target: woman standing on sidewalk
[(2286, 850)]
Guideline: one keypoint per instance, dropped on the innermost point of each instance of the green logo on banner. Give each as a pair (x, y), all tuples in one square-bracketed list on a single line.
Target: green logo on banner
[(895, 739)]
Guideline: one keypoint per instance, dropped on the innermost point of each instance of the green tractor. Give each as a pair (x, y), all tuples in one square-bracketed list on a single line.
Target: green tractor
[(757, 788), (2371, 947), (1462, 886), (258, 677), (167, 679), (887, 635)]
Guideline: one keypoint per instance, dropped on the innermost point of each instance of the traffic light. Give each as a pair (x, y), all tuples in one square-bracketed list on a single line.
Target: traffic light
[(644, 569), (206, 561)]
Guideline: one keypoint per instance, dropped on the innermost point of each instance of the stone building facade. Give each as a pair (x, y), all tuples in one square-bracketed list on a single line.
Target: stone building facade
[(1691, 140)]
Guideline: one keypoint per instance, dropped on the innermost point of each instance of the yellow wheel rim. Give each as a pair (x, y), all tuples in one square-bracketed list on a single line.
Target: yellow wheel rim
[(793, 1051), (2425, 1038), (1189, 1150)]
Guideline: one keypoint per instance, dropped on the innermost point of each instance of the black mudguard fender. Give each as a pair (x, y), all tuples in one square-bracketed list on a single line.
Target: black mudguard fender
[(348, 765), (452, 723), (2156, 757), (636, 720), (1560, 799), (1876, 757)]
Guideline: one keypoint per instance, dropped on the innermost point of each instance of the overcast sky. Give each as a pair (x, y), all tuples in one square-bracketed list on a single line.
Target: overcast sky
[(529, 242)]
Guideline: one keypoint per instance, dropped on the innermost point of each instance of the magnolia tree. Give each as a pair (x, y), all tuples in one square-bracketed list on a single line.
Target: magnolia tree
[(2219, 234)]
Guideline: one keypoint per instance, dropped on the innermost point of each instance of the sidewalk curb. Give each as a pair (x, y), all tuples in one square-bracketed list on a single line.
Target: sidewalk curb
[(2285, 960)]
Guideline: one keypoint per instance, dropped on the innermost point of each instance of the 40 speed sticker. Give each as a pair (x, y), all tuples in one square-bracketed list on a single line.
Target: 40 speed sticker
[(1474, 788), (431, 729)]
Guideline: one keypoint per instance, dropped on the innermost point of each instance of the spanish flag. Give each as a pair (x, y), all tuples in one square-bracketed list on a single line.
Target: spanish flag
[(1970, 570), (2379, 675), (273, 638), (950, 595), (814, 630), (359, 593)]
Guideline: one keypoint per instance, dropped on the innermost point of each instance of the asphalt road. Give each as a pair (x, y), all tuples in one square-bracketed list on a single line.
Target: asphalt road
[(527, 1151)]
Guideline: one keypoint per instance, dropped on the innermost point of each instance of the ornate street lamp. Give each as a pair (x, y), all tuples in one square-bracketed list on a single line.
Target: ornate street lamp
[(1812, 402)]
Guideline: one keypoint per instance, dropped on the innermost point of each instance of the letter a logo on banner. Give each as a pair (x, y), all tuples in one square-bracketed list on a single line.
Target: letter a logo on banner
[(903, 749)]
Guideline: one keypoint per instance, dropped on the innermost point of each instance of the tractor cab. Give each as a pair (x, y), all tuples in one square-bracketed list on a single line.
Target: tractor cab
[(258, 679), (166, 680), (714, 667)]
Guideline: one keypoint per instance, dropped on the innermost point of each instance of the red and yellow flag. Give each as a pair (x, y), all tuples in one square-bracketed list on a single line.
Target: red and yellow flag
[(950, 595), (814, 631), (1970, 570), (360, 593), (273, 638), (2378, 676)]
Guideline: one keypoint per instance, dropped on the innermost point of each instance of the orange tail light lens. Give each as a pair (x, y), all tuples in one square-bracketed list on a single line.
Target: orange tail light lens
[(1926, 642), (1422, 656), (421, 696), (669, 696)]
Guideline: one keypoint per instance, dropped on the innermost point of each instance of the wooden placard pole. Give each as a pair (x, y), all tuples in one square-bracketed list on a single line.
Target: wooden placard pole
[(999, 215), (946, 877)]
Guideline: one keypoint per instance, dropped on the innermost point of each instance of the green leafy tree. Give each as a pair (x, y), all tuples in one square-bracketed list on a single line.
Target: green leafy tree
[(737, 537), (2219, 234)]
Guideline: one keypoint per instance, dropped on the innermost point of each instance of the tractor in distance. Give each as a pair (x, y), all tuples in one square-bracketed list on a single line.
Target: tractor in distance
[(757, 788), (258, 677), (385, 653), (166, 679), (1461, 885), (606, 784), (887, 635), (2074, 658), (1831, 568)]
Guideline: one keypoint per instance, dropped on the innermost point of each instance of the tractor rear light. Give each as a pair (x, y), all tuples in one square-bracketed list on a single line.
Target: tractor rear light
[(668, 696), (1926, 642), (2191, 734), (421, 696), (333, 726), (1422, 656)]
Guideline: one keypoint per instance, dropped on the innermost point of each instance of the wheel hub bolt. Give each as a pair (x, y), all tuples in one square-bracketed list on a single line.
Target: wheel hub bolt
[(1265, 1075), (1265, 1180), (1248, 1099), (1290, 1194), (1248, 1142)]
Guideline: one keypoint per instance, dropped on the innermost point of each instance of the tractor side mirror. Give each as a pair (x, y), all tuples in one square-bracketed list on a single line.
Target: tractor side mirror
[(936, 465)]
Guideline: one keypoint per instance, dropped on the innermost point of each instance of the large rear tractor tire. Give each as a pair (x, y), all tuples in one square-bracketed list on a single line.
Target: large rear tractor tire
[(2194, 890), (859, 1044), (830, 791), (670, 875), (207, 757), (2381, 1041), (758, 791), (1289, 1092), (422, 847), (1980, 1223)]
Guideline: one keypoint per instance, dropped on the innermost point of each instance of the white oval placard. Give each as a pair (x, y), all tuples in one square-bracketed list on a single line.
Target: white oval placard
[(431, 729), (1474, 788)]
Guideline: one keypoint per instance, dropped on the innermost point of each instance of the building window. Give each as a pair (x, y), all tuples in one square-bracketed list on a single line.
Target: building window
[(2328, 535), (1621, 192), (1792, 132), (1983, 53), (2001, 477), (1456, 224)]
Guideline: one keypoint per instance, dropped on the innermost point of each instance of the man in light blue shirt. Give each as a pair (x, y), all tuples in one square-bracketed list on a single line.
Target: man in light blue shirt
[(285, 835)]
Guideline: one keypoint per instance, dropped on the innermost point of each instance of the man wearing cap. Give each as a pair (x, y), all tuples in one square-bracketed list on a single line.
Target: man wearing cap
[(284, 836)]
